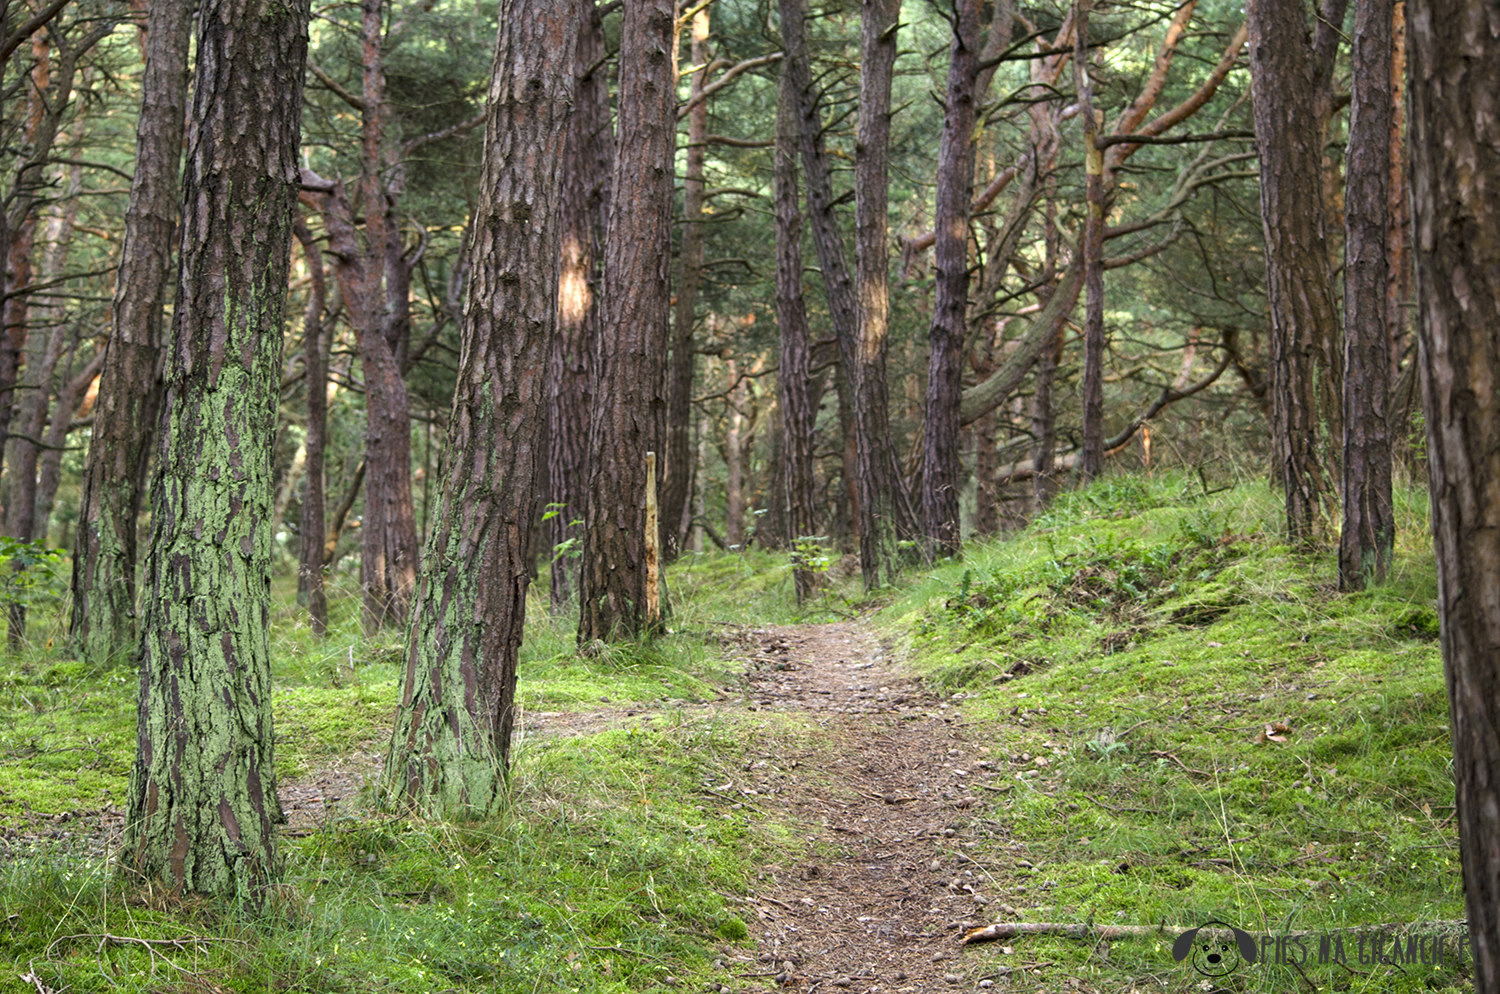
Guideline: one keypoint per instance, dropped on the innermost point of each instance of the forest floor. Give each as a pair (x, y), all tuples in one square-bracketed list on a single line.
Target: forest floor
[(1144, 711), (885, 795), (889, 797)]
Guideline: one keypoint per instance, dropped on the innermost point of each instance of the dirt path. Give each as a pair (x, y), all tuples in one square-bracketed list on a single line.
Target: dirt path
[(895, 794)]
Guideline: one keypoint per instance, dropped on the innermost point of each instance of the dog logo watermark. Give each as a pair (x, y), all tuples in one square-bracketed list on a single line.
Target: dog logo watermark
[(1213, 953)]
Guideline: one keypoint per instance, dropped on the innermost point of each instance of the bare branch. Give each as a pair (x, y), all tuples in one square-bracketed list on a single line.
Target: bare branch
[(338, 89), (725, 80)]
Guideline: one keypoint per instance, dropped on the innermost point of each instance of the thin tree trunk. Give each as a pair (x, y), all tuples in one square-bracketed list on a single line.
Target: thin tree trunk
[(734, 461), (586, 166), (1044, 428), (986, 494), (1398, 211), (312, 529), (453, 728), (955, 177), (1455, 168), (629, 395), (202, 798), (1285, 74), (1369, 526), (677, 487), (700, 487), (797, 413), (126, 409), (1091, 451)]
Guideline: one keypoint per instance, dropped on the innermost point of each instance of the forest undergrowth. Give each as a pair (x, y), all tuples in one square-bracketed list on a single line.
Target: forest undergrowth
[(1183, 720)]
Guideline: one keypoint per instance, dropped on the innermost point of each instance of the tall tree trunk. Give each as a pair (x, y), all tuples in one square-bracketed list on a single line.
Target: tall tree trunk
[(884, 503), (828, 240), (202, 799), (629, 395), (1455, 169), (312, 529), (797, 413), (1286, 75), (1398, 212), (15, 310), (677, 487), (1369, 526), (46, 340), (126, 409), (1091, 450), (950, 319), (586, 165), (734, 461), (453, 728), (388, 532)]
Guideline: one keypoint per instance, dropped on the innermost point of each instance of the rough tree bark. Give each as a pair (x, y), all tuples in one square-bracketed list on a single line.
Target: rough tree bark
[(1091, 449), (312, 530), (388, 532), (125, 412), (1287, 77), (1369, 527), (202, 798), (586, 165), (452, 736), (629, 393), (1455, 169), (884, 505), (677, 486), (797, 413), (955, 177)]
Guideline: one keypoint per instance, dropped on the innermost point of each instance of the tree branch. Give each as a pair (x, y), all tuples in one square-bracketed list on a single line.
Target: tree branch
[(725, 80)]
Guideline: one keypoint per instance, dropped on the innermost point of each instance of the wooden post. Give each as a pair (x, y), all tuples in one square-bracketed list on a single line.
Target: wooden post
[(653, 555)]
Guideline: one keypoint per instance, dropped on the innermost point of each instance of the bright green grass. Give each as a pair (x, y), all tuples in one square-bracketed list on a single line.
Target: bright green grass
[(610, 869), (1142, 655)]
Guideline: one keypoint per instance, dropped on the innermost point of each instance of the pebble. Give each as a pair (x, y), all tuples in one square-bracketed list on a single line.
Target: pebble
[(952, 978), (986, 983)]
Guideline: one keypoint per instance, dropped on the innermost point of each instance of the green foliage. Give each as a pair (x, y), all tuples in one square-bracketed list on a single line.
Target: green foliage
[(31, 574)]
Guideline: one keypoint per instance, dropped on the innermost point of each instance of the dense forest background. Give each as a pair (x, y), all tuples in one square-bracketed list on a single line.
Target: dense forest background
[(1184, 288)]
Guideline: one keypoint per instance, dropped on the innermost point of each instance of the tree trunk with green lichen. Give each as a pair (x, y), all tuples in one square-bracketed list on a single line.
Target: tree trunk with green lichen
[(202, 799), (452, 735), (125, 412)]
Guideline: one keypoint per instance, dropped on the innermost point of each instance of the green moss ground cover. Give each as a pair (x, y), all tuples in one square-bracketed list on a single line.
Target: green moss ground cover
[(1199, 726)]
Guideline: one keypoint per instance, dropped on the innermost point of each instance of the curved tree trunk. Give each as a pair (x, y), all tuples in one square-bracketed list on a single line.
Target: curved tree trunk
[(453, 728), (586, 166), (1455, 169), (1369, 526), (629, 414), (940, 457), (126, 409), (202, 799)]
